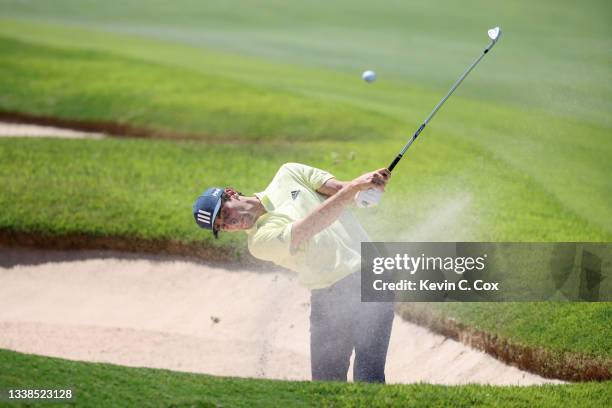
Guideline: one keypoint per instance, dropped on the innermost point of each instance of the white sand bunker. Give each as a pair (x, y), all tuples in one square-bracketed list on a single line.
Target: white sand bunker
[(180, 315), (20, 130)]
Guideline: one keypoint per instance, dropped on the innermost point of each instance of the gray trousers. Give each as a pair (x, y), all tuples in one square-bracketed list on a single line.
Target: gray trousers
[(341, 323)]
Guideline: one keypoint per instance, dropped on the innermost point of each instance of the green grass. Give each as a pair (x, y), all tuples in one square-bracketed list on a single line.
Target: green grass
[(101, 385), (540, 102), (93, 85), (145, 189), (553, 55), (87, 85), (556, 326)]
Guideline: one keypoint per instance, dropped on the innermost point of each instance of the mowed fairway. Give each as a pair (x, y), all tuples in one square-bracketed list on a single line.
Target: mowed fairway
[(522, 151)]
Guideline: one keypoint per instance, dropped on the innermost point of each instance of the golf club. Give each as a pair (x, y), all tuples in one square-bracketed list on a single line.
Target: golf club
[(371, 197)]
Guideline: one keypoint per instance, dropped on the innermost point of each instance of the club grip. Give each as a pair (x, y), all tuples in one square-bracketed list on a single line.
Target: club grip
[(394, 162)]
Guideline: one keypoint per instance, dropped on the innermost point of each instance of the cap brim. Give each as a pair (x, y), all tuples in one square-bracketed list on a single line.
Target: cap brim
[(214, 218)]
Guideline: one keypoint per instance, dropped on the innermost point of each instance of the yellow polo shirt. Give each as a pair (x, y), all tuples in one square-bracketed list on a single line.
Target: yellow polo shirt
[(328, 256)]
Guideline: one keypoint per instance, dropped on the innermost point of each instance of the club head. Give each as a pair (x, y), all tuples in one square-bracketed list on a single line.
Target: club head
[(494, 34)]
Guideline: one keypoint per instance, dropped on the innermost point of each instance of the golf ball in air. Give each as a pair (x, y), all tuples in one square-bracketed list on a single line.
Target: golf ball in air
[(369, 76)]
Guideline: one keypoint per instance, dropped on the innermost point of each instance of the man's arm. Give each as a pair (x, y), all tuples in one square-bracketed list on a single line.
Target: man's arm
[(329, 211), (332, 186)]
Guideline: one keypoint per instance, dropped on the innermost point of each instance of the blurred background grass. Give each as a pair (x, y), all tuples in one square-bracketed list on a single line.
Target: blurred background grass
[(540, 103)]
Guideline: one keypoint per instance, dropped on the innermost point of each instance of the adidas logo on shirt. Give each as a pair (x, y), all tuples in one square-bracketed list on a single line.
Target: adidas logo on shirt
[(294, 194)]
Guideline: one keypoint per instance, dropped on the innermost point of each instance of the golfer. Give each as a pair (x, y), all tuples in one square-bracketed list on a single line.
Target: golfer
[(300, 222)]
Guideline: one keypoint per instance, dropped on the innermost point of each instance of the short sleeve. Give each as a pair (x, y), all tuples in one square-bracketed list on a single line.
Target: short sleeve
[(311, 176), (272, 240)]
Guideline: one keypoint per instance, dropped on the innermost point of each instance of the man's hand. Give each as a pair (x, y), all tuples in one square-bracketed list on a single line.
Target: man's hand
[(375, 179), (328, 211)]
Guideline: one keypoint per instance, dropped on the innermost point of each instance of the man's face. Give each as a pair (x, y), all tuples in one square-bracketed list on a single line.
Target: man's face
[(233, 215)]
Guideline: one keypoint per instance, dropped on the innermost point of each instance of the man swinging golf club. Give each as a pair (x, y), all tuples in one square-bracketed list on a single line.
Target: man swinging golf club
[(300, 222)]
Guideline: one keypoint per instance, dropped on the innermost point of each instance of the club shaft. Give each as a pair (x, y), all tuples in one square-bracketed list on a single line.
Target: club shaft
[(455, 86), (438, 106)]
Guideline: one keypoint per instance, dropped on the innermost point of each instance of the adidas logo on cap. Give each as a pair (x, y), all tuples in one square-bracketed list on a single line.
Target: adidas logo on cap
[(204, 216)]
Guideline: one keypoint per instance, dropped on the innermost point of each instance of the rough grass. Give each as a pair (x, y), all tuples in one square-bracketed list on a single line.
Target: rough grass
[(145, 189), (532, 323), (105, 385), (518, 343)]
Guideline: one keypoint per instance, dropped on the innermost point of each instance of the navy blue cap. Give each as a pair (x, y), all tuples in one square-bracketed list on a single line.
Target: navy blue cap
[(206, 208)]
